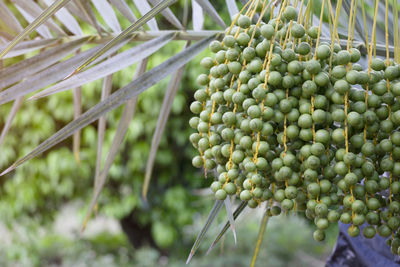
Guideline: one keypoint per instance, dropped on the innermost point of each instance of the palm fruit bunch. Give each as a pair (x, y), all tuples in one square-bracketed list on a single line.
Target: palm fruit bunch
[(284, 118)]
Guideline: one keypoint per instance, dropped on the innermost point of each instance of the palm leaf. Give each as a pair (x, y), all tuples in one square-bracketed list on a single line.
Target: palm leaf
[(66, 19), (28, 46), (197, 16), (123, 7), (207, 6), (86, 13), (210, 219), (236, 214), (118, 98), (144, 7), (232, 8), (76, 138), (231, 220), (109, 66), (167, 13), (42, 30), (126, 33), (14, 109), (52, 74), (122, 128), (36, 23), (185, 13), (74, 8), (107, 13), (360, 32), (34, 10), (260, 236), (9, 19), (39, 62), (101, 128), (162, 120)]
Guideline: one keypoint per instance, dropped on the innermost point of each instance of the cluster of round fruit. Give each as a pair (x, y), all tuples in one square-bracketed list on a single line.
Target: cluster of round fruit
[(303, 127)]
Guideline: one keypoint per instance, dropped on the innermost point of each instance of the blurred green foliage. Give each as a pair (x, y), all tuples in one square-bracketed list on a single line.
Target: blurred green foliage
[(42, 185)]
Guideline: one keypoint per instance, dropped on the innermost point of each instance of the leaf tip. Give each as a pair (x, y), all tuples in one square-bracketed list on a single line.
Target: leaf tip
[(190, 257), (70, 75), (3, 52), (145, 203), (77, 157), (38, 95), (211, 248), (12, 167), (85, 222), (144, 194)]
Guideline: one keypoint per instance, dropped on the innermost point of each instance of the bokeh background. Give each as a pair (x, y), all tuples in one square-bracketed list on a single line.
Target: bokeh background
[(43, 202)]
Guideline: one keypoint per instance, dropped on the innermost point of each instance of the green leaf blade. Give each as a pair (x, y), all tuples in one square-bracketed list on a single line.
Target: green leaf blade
[(260, 236)]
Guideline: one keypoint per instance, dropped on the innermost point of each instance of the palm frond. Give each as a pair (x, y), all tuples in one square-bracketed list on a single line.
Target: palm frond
[(14, 109), (231, 219), (34, 10), (122, 128), (116, 99), (76, 138), (101, 128), (109, 66), (144, 7), (211, 217), (67, 20), (125, 34), (167, 13), (162, 121), (260, 237), (8, 18), (208, 7), (232, 7), (197, 16), (36, 23), (59, 36), (84, 11), (358, 27), (41, 30), (107, 13), (123, 7), (225, 228), (28, 46), (39, 62)]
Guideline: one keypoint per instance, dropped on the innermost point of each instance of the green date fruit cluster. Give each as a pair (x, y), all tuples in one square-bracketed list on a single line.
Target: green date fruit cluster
[(305, 128)]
